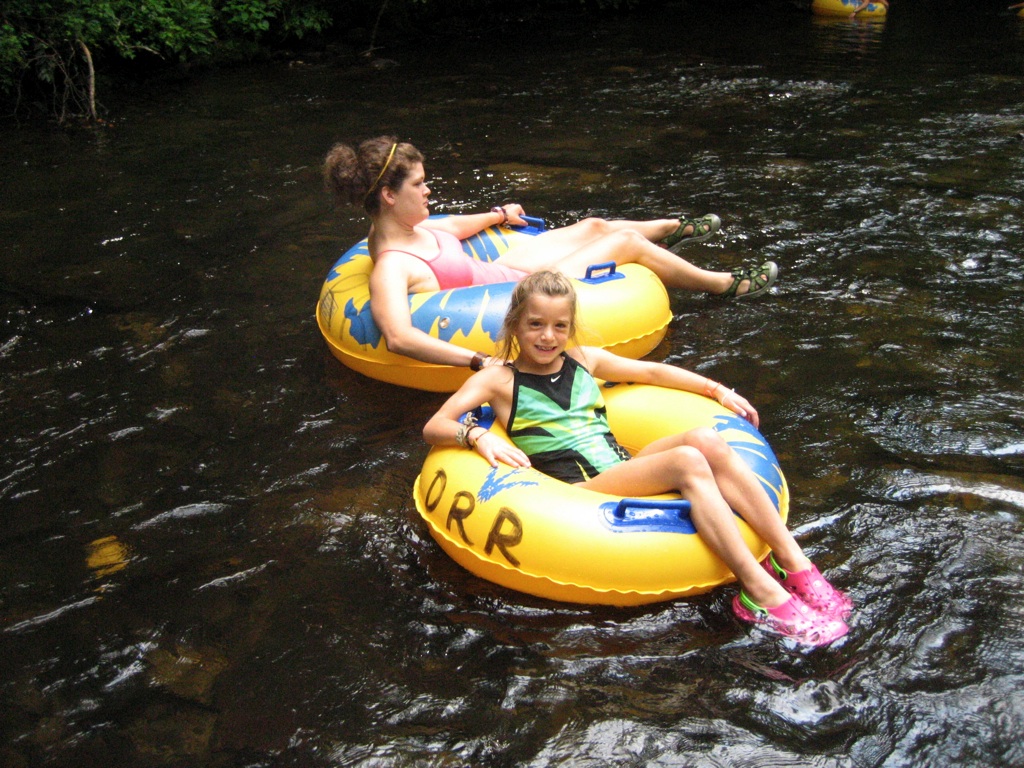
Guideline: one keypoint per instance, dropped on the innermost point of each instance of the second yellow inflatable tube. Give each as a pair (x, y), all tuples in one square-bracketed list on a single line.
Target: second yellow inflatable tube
[(528, 532)]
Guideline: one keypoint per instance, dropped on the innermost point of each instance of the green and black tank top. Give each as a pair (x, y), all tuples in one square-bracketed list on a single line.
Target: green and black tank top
[(559, 420)]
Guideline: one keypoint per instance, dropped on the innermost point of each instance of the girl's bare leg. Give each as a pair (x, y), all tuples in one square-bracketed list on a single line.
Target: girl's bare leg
[(685, 470), (743, 491)]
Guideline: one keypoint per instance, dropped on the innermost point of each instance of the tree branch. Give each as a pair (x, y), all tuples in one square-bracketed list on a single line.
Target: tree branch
[(90, 79)]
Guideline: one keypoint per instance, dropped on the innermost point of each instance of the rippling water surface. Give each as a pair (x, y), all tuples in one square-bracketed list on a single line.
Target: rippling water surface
[(209, 555)]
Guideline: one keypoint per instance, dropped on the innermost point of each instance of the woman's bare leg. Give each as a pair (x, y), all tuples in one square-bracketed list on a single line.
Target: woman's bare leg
[(584, 231), (617, 244), (549, 247)]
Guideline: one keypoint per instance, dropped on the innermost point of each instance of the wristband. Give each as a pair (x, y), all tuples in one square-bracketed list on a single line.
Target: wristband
[(710, 387), (469, 440), (504, 215), (478, 361)]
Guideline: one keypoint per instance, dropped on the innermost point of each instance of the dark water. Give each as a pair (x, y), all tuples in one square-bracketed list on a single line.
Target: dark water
[(209, 555)]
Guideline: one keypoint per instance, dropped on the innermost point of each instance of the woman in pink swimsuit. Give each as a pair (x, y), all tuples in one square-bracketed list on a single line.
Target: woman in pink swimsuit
[(413, 254)]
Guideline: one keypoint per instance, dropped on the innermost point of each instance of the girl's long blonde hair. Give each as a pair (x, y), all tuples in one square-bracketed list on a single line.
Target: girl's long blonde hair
[(551, 284)]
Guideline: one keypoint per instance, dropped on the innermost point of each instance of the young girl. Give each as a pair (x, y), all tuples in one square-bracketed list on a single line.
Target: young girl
[(413, 254), (786, 594)]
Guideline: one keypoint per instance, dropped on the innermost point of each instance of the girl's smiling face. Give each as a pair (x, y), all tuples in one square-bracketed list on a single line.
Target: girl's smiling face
[(544, 330)]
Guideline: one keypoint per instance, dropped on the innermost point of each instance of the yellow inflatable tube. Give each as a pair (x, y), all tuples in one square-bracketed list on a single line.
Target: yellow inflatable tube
[(624, 309), (846, 7), (528, 532)]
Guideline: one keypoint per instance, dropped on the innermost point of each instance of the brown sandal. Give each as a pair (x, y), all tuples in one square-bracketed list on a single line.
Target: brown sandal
[(701, 230), (761, 280)]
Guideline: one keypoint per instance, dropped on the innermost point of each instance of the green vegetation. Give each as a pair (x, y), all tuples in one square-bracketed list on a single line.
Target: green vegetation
[(53, 48), (51, 51)]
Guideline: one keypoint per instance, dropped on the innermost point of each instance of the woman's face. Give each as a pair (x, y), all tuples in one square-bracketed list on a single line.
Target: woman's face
[(410, 202)]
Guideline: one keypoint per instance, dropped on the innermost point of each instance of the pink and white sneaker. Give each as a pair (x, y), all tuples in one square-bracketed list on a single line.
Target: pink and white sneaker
[(793, 619), (811, 587)]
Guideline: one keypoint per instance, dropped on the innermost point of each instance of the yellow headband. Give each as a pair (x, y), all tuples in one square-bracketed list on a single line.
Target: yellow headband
[(382, 171)]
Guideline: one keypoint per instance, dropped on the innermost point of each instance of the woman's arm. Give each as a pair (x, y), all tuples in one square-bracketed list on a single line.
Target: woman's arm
[(389, 285), (865, 3), (609, 366), (490, 385), (468, 224)]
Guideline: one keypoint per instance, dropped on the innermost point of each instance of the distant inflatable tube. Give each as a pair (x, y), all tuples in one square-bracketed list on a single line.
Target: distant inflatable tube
[(624, 309), (845, 8), (528, 532)]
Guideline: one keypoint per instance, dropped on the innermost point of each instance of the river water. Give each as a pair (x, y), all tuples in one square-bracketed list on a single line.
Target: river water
[(209, 554)]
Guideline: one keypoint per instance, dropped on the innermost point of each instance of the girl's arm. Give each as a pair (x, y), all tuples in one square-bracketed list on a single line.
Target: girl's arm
[(609, 366), (390, 307), (489, 385), (466, 225)]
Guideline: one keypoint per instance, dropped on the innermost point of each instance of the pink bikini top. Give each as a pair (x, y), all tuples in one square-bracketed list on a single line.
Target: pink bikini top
[(453, 268)]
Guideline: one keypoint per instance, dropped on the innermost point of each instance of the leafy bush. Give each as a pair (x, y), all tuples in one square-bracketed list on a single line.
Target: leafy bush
[(52, 45)]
